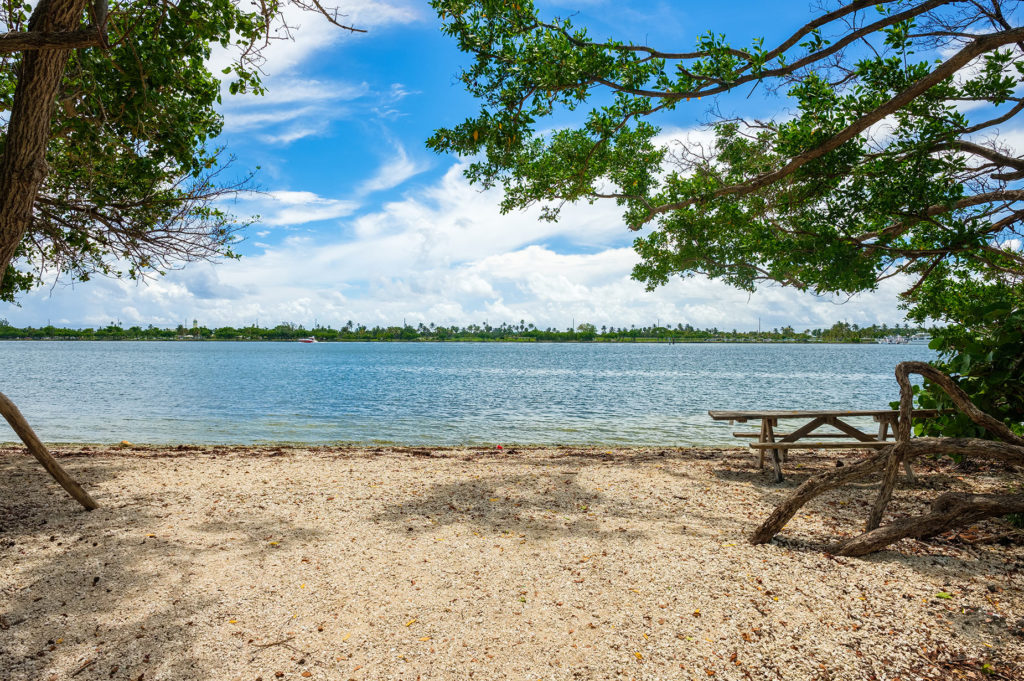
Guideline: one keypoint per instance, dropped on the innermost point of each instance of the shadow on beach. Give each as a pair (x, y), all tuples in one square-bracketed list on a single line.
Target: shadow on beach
[(555, 504), (322, 553), (107, 594)]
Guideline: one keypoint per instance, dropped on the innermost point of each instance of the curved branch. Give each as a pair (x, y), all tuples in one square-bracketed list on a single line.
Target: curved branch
[(986, 152), (804, 61), (959, 398), (945, 70), (948, 511)]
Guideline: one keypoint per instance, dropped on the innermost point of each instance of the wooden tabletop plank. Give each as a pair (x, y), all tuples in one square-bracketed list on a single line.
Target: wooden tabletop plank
[(721, 415), (821, 445), (782, 435)]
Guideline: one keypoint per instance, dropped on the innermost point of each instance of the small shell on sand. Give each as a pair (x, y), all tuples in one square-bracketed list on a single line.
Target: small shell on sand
[(525, 563)]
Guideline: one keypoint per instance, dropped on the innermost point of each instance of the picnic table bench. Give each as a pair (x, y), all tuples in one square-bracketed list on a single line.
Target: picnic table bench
[(848, 437)]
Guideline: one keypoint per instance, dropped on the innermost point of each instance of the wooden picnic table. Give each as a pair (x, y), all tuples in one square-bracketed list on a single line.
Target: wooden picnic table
[(848, 437)]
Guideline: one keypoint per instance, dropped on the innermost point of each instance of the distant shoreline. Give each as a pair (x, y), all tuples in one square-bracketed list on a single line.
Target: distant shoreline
[(840, 332), (631, 341)]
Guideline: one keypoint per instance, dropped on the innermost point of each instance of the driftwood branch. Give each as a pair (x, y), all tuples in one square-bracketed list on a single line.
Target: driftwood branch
[(817, 485), (947, 511), (14, 417)]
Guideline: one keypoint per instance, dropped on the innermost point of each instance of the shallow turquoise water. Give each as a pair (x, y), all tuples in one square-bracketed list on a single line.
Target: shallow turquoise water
[(429, 393)]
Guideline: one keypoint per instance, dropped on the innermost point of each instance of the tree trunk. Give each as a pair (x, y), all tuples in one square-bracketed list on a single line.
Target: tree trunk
[(23, 164), (948, 511), (10, 412)]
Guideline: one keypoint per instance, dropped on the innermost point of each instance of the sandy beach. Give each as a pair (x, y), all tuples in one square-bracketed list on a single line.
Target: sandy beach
[(552, 563)]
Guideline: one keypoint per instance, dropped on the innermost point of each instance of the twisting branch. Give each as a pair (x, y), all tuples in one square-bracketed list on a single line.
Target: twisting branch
[(332, 14), (974, 49), (1010, 450)]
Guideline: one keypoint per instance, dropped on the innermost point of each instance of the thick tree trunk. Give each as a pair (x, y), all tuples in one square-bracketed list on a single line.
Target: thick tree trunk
[(948, 511), (23, 164), (10, 412)]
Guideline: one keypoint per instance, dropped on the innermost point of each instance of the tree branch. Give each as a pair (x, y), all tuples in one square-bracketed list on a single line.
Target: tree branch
[(945, 70), (24, 41)]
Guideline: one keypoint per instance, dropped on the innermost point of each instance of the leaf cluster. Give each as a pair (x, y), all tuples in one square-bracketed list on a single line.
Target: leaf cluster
[(877, 173), (134, 175), (986, 354)]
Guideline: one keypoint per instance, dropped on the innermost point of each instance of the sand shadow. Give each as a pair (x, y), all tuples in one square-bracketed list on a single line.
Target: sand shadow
[(108, 594), (550, 504)]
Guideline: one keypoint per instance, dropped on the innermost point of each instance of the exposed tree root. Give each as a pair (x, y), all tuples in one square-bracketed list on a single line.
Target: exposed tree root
[(950, 510)]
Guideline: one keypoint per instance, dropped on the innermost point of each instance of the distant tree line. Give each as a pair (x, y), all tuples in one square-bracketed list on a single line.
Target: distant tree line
[(841, 332)]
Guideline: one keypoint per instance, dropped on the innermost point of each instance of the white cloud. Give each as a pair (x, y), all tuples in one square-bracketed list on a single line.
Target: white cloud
[(306, 106), (302, 109), (291, 208), (442, 254), (392, 173)]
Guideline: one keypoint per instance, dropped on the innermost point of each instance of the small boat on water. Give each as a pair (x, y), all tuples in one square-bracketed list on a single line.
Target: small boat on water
[(893, 340), (311, 339)]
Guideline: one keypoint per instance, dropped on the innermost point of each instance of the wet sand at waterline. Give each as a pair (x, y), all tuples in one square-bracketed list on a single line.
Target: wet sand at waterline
[(525, 563)]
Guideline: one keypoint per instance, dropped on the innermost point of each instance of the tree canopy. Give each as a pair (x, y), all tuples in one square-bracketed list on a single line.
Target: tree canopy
[(887, 163), (108, 118)]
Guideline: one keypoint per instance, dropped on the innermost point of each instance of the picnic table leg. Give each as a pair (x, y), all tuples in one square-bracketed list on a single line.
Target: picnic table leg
[(770, 435), (785, 452), (763, 437)]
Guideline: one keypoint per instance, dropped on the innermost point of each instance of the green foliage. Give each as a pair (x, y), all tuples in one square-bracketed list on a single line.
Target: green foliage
[(819, 200), (986, 355), (133, 176)]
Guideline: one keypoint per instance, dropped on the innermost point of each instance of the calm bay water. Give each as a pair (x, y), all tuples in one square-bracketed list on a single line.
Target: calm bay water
[(429, 393)]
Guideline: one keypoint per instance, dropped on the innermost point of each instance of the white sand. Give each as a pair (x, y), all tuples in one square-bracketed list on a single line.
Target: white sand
[(345, 563)]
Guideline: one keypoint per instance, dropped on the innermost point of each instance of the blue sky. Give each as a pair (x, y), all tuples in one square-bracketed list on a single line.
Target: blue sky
[(360, 221)]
